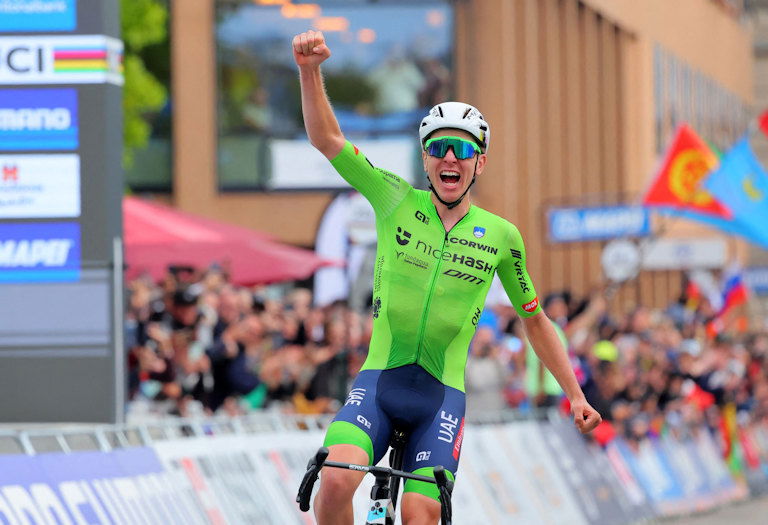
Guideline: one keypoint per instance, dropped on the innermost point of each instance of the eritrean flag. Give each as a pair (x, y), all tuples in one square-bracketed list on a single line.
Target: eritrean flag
[(84, 59), (677, 186)]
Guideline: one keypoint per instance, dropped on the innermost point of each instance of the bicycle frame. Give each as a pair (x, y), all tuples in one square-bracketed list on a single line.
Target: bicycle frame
[(382, 508)]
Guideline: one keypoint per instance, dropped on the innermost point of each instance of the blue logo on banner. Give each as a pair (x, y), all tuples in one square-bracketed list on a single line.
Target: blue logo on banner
[(38, 119), (756, 278), (38, 15), (39, 252), (587, 224)]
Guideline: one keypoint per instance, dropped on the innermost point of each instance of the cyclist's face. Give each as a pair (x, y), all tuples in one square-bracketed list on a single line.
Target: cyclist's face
[(451, 176)]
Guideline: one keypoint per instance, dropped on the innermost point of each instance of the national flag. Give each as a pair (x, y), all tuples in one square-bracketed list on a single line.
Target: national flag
[(762, 121), (741, 184), (677, 186), (692, 295), (732, 452), (734, 293), (708, 287)]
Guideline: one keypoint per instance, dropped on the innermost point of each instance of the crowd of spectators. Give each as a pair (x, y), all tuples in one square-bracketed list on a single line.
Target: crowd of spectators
[(198, 344)]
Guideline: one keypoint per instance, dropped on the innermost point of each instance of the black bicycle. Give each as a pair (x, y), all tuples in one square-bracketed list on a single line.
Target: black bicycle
[(387, 486)]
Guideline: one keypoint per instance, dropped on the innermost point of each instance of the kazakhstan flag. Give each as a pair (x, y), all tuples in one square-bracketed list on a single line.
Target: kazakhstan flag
[(741, 183)]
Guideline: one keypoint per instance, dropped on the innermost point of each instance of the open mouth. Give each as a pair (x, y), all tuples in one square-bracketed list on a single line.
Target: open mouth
[(450, 178)]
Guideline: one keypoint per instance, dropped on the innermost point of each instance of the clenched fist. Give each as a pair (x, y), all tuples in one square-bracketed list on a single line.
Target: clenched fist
[(309, 49)]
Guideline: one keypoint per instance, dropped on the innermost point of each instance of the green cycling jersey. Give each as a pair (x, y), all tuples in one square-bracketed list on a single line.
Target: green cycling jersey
[(430, 284)]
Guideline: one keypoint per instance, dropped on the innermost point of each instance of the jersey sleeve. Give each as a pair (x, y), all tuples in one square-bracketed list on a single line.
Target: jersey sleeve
[(383, 189), (514, 276)]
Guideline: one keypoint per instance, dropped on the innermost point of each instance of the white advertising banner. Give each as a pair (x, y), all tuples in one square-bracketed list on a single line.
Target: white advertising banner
[(298, 165), (505, 476), (488, 489), (39, 186), (684, 254), (526, 454), (65, 59)]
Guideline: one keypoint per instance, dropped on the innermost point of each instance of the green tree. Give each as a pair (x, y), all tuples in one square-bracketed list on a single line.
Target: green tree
[(144, 26)]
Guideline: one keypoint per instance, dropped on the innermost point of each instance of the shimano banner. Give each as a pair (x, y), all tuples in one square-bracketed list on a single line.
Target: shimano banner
[(38, 119)]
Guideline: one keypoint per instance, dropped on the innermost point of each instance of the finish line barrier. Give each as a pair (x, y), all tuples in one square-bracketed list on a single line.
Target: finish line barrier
[(247, 470)]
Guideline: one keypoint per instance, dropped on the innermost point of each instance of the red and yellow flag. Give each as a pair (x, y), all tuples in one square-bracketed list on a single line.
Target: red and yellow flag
[(678, 183)]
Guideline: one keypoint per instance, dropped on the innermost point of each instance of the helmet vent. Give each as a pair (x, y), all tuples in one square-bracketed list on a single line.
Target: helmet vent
[(466, 112), (440, 110)]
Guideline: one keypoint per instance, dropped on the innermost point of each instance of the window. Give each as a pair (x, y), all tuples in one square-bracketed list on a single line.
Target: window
[(391, 62), (683, 94)]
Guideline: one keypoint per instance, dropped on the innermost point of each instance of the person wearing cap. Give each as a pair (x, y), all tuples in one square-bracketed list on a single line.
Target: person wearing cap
[(436, 257)]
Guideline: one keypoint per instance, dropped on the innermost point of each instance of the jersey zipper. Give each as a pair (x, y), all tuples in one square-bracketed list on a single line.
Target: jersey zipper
[(425, 312)]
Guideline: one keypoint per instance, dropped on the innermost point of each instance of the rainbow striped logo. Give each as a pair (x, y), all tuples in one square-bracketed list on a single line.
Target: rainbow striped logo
[(87, 59)]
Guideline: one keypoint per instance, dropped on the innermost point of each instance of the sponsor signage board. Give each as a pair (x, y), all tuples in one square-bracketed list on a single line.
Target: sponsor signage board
[(598, 493), (297, 165), (756, 278), (598, 223), (66, 59), (38, 119), (39, 186), (684, 254), (56, 154), (122, 486), (37, 15), (39, 252)]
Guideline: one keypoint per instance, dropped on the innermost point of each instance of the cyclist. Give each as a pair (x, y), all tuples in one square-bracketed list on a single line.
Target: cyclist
[(436, 257)]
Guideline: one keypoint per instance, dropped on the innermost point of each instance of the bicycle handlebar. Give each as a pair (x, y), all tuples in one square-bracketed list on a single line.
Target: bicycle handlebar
[(444, 485), (375, 470), (313, 469), (444, 488)]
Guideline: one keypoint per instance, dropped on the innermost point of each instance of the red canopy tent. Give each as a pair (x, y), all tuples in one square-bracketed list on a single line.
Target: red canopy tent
[(157, 236)]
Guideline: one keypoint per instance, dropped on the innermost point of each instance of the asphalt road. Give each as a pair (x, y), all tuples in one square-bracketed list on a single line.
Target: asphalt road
[(746, 513)]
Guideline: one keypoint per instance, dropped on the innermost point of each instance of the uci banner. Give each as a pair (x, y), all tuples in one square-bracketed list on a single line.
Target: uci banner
[(66, 59), (123, 486)]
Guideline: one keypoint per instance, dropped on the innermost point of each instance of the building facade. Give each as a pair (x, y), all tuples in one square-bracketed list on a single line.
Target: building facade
[(582, 97)]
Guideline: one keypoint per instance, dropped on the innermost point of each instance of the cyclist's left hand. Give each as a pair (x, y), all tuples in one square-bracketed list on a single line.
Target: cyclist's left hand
[(585, 417)]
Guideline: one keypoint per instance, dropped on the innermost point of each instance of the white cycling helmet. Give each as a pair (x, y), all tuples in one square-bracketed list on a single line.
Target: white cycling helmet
[(456, 115)]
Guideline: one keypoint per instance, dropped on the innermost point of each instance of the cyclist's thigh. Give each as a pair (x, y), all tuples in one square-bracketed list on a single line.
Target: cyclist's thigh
[(361, 421), (436, 441)]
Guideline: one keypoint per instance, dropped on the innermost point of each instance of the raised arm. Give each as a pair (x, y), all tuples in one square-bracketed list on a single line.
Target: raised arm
[(309, 51)]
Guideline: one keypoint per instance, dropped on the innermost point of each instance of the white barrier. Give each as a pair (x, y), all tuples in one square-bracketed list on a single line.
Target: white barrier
[(248, 471)]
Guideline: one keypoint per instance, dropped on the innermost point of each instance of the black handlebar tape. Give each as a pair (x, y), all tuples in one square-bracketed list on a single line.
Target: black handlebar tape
[(321, 456), (313, 468), (440, 476)]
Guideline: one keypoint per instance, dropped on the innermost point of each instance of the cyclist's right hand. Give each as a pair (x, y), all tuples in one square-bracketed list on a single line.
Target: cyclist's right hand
[(309, 49)]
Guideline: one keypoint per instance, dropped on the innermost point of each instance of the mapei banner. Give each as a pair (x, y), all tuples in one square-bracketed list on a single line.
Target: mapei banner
[(600, 223), (126, 486), (39, 252), (70, 59), (18, 16), (38, 119), (39, 186)]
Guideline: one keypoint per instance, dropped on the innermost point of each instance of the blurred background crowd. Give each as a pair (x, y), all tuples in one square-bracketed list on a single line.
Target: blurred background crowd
[(197, 344)]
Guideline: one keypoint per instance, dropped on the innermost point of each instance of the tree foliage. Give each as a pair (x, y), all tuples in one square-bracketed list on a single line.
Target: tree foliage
[(143, 25)]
